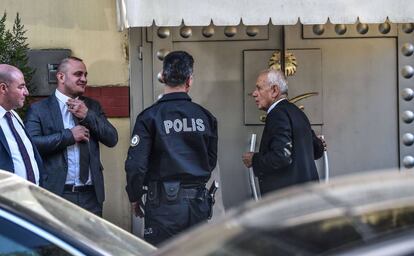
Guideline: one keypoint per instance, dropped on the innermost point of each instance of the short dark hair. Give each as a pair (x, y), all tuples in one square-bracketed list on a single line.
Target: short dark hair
[(177, 68), (64, 63)]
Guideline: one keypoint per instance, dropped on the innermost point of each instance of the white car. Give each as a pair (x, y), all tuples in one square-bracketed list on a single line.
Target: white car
[(34, 221), (368, 214)]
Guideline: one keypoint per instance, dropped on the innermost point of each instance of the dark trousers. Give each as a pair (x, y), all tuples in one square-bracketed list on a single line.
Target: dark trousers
[(167, 219), (87, 200)]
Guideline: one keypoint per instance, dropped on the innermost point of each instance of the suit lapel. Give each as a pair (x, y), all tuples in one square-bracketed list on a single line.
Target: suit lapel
[(55, 113), (4, 141), (56, 116), (85, 100)]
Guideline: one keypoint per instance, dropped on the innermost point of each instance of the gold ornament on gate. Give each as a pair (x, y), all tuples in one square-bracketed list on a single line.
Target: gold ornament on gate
[(290, 62)]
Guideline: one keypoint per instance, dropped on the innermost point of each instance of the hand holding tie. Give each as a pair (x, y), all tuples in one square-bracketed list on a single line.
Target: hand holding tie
[(77, 108)]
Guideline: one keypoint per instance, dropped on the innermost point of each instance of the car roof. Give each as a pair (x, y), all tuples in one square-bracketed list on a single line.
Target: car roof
[(66, 220), (339, 200)]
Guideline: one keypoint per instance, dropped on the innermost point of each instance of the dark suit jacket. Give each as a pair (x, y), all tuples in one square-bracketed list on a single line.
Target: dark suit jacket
[(6, 161), (287, 149), (45, 124)]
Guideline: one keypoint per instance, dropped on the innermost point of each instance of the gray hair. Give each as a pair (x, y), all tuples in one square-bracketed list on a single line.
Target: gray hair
[(276, 77)]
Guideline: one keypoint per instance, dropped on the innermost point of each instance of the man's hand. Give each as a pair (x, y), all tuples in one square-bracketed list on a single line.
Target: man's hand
[(137, 207), (77, 108), (247, 159), (80, 133), (322, 139)]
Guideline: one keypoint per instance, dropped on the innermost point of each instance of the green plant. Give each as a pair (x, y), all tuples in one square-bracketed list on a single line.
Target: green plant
[(14, 49)]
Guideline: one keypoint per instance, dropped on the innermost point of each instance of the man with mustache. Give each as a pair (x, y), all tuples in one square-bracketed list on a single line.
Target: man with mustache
[(67, 128)]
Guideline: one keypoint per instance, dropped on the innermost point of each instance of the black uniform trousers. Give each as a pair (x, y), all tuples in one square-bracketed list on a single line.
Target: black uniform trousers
[(164, 219)]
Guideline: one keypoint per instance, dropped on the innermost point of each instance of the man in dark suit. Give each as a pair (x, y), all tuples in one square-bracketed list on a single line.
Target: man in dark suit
[(289, 145), (17, 153), (67, 128)]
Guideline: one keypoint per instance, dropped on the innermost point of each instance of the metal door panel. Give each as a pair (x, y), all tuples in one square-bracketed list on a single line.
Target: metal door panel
[(307, 79), (218, 86), (356, 109), (360, 100)]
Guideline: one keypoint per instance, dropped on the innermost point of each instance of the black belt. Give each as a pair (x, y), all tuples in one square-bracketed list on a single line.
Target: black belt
[(73, 188), (190, 193), (192, 185)]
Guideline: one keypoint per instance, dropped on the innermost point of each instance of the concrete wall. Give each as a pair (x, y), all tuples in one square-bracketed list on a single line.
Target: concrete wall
[(117, 206), (89, 29)]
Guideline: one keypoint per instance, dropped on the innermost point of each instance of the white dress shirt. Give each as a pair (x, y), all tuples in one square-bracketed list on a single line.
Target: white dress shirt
[(19, 167), (73, 150)]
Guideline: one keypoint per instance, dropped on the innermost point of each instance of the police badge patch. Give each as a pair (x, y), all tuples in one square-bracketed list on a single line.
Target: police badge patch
[(134, 140)]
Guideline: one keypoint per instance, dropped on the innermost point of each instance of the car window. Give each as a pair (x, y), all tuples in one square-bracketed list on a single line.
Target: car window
[(15, 240), (311, 238), (321, 236), (390, 220), (70, 223)]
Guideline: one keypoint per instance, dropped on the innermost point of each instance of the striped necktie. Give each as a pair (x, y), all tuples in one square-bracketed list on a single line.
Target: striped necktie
[(22, 149)]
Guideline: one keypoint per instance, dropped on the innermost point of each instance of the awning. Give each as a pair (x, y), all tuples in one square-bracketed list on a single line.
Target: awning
[(143, 13)]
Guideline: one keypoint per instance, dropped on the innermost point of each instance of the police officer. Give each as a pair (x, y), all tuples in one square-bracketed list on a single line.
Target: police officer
[(173, 152)]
